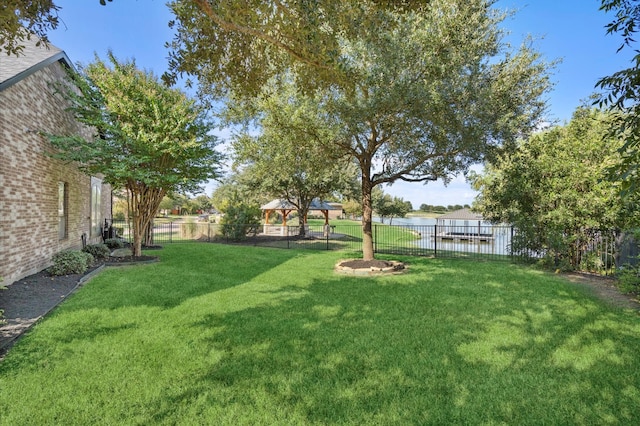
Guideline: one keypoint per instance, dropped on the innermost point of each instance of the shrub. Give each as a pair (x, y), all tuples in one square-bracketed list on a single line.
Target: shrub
[(70, 262), (240, 220), (114, 243), (629, 279), (98, 251), (556, 262)]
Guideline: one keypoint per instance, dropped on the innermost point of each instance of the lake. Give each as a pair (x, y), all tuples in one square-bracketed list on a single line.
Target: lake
[(461, 236)]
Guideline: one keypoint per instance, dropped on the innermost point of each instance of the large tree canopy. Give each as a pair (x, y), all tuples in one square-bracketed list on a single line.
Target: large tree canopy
[(553, 187), (623, 93), (419, 90), (432, 98), (253, 41), (289, 158), (149, 139)]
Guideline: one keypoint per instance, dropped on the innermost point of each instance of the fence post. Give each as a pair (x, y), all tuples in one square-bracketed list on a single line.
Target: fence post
[(375, 238), (255, 235), (435, 240), (327, 233), (170, 232), (511, 242)]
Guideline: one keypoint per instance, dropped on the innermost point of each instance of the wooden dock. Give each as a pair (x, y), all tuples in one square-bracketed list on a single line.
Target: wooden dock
[(469, 237)]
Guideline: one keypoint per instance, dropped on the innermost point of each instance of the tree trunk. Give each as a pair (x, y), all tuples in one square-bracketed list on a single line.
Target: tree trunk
[(136, 248), (367, 217), (145, 202), (141, 224), (302, 214), (148, 234)]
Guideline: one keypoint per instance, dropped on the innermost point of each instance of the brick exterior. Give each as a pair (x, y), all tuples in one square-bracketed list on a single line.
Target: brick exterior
[(29, 178)]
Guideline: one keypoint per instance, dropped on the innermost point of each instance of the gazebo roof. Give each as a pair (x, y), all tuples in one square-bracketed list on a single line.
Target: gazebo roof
[(281, 204), (462, 214)]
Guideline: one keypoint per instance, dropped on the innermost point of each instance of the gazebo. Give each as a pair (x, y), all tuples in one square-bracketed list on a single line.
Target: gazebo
[(285, 207)]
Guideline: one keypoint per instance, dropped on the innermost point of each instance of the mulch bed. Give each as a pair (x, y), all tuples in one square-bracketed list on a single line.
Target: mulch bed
[(365, 264), (372, 267)]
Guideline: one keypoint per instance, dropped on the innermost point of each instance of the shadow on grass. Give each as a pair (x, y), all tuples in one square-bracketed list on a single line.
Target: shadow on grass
[(518, 349), (292, 343), (184, 272)]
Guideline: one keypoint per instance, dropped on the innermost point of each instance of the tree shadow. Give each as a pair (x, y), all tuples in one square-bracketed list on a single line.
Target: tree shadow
[(179, 276), (448, 342), (339, 354)]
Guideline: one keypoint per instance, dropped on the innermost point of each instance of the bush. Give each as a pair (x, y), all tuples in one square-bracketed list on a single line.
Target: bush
[(98, 251), (240, 220), (70, 262), (114, 243), (629, 279), (555, 262)]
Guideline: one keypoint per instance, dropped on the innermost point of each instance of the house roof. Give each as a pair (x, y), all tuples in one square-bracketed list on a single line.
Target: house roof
[(281, 204), (31, 59), (462, 214)]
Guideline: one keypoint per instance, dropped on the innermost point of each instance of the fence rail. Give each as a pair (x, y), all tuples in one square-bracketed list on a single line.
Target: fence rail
[(420, 240), (601, 251)]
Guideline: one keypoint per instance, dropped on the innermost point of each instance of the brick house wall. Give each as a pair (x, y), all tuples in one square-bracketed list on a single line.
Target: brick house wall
[(30, 179)]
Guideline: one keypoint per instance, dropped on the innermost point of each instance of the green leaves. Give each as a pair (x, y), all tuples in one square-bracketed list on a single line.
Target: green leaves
[(414, 91), (252, 42), (147, 138), (145, 132), (622, 92), (291, 156), (555, 182), (20, 20)]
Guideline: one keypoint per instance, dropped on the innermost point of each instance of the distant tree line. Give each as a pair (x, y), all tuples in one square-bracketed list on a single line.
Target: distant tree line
[(428, 208)]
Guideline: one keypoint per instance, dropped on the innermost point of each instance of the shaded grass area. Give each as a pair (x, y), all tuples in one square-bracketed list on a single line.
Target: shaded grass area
[(217, 334)]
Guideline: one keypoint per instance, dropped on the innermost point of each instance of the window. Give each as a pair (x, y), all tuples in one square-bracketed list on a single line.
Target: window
[(63, 200), (96, 206)]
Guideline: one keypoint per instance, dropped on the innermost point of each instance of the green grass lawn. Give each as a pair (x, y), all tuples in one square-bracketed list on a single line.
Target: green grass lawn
[(230, 335)]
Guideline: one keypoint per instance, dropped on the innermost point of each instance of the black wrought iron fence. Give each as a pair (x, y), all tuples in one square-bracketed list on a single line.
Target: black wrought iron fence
[(421, 240), (594, 251)]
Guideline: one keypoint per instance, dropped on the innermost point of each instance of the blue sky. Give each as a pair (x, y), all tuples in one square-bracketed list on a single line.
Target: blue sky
[(569, 30)]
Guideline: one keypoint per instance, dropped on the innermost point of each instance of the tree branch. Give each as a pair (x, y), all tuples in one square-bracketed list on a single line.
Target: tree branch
[(232, 26), (378, 178)]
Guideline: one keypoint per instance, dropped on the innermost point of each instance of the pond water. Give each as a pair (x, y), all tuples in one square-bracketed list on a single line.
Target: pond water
[(410, 221), (461, 236)]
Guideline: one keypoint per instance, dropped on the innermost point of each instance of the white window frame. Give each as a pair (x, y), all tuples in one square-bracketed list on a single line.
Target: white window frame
[(96, 206), (63, 211)]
